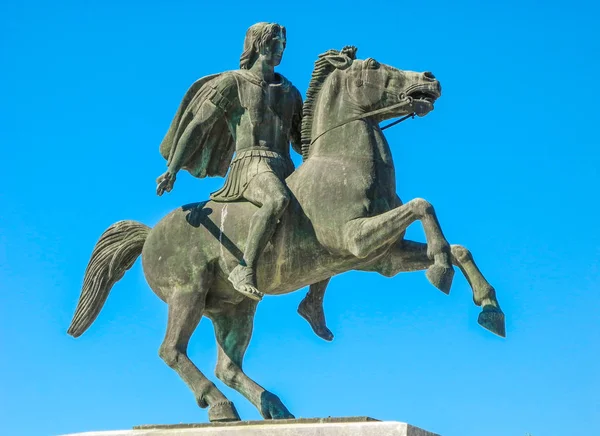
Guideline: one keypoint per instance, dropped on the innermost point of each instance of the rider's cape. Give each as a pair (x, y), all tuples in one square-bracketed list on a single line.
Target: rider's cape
[(211, 150)]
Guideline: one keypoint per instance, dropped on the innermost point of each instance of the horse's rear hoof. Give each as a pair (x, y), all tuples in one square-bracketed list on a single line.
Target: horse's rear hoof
[(440, 277), (492, 319), (223, 412)]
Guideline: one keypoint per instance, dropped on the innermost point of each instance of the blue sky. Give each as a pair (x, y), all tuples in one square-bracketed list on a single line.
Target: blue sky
[(509, 159)]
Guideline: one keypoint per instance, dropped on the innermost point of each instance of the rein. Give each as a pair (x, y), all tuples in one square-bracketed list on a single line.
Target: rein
[(399, 121), (407, 102)]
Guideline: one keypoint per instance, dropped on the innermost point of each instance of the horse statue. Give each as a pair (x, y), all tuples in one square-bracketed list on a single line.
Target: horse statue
[(344, 215)]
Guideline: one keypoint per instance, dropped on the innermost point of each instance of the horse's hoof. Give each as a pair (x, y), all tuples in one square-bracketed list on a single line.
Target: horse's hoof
[(316, 319), (492, 319), (271, 407), (324, 333), (223, 412), (440, 277)]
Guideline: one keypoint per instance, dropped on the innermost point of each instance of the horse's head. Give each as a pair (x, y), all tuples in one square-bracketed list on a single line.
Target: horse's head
[(345, 89), (372, 85)]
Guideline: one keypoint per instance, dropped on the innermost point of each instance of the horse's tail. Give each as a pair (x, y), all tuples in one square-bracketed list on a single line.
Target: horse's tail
[(115, 252)]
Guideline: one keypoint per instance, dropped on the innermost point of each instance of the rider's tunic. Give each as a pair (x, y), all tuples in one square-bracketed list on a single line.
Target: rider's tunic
[(248, 164), (277, 107), (256, 119)]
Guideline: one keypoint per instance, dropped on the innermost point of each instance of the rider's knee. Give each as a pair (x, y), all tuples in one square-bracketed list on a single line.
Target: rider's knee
[(279, 202)]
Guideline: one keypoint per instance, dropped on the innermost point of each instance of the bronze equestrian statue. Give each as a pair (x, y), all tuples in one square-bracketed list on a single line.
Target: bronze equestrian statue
[(338, 212)]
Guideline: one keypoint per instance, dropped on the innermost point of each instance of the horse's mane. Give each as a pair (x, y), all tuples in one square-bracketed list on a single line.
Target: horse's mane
[(322, 70)]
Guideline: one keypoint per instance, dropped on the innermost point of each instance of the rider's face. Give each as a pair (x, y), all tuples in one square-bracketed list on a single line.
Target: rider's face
[(273, 52)]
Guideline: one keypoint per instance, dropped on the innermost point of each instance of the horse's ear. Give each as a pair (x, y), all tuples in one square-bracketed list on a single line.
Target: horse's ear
[(350, 51), (340, 61), (344, 58)]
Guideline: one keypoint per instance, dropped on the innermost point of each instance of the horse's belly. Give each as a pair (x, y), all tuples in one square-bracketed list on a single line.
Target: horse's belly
[(213, 235)]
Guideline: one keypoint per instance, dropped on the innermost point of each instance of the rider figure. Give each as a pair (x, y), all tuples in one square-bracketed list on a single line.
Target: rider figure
[(255, 111)]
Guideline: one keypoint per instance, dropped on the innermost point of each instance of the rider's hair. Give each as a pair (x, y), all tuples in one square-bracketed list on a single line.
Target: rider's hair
[(257, 37)]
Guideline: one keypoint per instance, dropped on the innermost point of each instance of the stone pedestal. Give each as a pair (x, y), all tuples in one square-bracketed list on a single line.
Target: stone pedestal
[(360, 426)]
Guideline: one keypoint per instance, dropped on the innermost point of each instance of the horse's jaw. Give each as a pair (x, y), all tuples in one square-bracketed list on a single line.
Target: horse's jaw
[(424, 96)]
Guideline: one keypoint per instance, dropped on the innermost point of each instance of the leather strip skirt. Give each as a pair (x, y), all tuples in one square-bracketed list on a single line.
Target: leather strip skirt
[(247, 165)]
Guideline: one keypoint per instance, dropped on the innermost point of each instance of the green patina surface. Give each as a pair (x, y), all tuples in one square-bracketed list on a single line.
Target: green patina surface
[(273, 231)]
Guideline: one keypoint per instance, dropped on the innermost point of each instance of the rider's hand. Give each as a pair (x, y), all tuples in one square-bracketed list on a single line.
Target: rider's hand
[(165, 183)]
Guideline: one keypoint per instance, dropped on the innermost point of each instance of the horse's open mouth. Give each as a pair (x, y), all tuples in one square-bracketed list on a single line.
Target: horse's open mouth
[(429, 97), (422, 101)]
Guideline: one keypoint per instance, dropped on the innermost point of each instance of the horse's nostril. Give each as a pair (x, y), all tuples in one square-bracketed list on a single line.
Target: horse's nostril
[(429, 75)]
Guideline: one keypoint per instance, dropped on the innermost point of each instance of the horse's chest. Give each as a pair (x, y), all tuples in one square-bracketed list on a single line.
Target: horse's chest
[(381, 150), (373, 173), (378, 188), (360, 187), (384, 183)]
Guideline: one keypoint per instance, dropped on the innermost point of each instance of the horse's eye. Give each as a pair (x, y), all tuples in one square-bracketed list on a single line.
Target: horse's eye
[(373, 64)]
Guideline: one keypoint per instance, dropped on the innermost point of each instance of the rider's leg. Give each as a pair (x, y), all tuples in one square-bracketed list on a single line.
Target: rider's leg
[(272, 196)]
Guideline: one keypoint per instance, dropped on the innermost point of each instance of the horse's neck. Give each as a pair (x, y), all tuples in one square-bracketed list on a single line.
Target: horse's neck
[(358, 146), (332, 109), (334, 133), (349, 142)]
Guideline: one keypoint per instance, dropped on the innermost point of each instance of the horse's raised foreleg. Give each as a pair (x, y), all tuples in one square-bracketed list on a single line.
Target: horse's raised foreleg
[(185, 311), (363, 236), (484, 295), (233, 329), (413, 256)]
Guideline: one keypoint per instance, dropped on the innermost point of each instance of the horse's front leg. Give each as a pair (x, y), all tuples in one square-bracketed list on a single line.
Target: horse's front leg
[(363, 236), (233, 329), (412, 256)]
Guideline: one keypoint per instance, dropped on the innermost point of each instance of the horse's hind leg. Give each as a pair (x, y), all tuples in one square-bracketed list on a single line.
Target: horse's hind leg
[(311, 309), (186, 306), (412, 256), (233, 329)]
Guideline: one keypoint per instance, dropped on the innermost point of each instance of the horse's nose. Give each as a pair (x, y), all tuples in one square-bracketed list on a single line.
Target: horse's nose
[(429, 75)]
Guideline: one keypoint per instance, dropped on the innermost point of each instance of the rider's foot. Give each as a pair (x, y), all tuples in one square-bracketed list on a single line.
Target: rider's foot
[(313, 313), (242, 279)]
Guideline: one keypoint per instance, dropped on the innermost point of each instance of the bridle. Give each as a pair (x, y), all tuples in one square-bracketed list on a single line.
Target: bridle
[(406, 117), (406, 101)]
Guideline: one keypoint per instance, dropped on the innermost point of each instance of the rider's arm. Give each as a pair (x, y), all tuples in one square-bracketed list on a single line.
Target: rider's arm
[(296, 132), (220, 101)]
